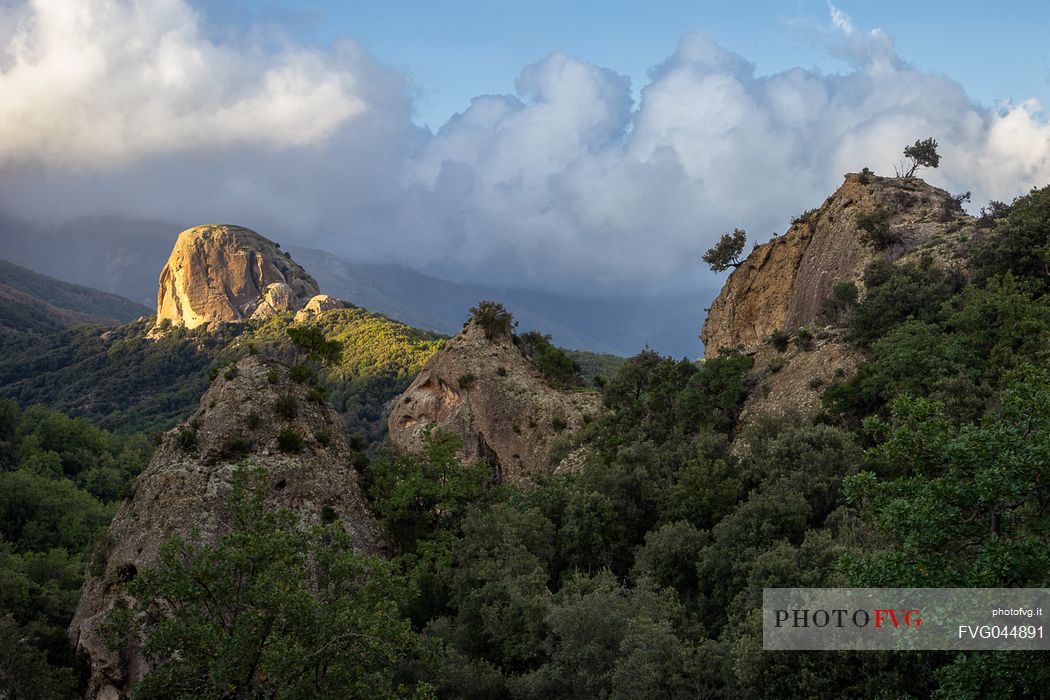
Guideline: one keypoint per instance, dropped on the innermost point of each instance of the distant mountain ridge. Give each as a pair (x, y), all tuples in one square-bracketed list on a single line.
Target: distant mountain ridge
[(30, 301), (125, 257), (618, 326)]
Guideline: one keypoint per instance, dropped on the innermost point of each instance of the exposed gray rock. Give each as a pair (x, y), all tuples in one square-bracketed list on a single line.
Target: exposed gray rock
[(484, 391), (318, 304), (186, 487)]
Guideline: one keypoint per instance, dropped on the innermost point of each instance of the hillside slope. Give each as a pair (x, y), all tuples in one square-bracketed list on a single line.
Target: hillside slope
[(33, 302)]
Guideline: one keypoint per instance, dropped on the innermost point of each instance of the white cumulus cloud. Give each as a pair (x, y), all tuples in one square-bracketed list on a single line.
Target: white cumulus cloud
[(93, 83), (566, 184)]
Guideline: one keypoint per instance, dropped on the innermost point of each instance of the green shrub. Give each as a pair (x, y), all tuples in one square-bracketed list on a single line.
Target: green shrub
[(187, 438), (837, 308), (252, 420), (289, 440), (1020, 242), (779, 340), (493, 318), (300, 374), (235, 448), (286, 406), (312, 340), (553, 362), (896, 292), (875, 229), (804, 338), (810, 216), (776, 364), (273, 376), (231, 372), (726, 252), (991, 213), (316, 395), (465, 380)]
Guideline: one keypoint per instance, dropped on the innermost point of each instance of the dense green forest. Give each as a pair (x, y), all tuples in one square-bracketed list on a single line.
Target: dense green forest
[(639, 575), (127, 381), (60, 482)]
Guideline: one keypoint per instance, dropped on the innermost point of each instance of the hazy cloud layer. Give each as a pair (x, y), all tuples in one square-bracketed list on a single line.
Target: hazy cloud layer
[(126, 108)]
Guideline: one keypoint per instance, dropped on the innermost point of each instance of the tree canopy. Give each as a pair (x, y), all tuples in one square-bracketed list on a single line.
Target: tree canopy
[(273, 610), (493, 318), (726, 253), (921, 154)]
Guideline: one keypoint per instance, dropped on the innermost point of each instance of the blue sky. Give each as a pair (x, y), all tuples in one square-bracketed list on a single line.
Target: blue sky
[(599, 148), (454, 50)]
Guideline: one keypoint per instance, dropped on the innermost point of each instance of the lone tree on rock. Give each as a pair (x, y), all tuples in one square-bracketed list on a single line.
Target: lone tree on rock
[(726, 253), (923, 154), (493, 318)]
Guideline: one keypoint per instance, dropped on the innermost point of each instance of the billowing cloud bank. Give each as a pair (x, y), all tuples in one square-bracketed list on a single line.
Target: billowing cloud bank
[(128, 108)]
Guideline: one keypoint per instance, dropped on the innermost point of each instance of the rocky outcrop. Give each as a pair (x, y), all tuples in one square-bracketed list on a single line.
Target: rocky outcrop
[(484, 391), (793, 381), (317, 305), (783, 283), (221, 273), (187, 483)]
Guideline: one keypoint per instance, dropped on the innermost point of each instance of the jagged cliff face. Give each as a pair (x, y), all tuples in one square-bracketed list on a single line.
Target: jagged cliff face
[(484, 391), (188, 481), (783, 283), (221, 273)]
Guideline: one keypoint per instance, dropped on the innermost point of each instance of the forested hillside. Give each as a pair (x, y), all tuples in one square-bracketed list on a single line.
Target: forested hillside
[(639, 573), (34, 303), (61, 481), (127, 381)]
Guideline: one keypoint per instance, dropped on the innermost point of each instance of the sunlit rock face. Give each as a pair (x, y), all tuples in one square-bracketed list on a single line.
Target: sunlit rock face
[(225, 274), (783, 283), (318, 305)]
